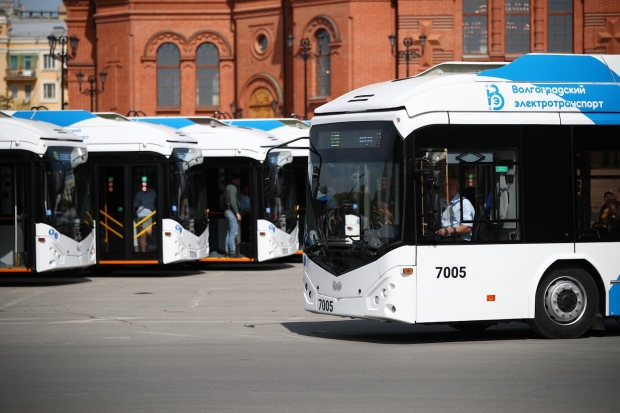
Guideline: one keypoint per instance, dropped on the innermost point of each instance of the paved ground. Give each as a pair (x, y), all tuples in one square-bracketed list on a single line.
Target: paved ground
[(237, 340)]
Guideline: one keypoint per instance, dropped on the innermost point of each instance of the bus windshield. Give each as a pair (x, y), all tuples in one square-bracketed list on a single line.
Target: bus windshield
[(354, 180), (280, 192), (66, 197), (188, 203)]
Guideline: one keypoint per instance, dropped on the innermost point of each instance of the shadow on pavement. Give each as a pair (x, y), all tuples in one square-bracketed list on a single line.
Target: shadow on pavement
[(251, 266), (370, 331), (41, 280)]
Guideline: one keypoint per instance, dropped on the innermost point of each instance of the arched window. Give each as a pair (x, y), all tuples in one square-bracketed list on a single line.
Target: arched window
[(323, 63), (168, 75), (207, 75)]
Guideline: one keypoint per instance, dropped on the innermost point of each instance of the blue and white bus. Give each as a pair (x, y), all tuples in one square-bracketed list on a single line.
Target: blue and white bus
[(269, 227), (46, 220), (528, 157), (130, 160)]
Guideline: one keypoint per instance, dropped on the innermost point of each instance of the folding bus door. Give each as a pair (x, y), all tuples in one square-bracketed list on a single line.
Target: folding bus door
[(13, 223), (128, 211)]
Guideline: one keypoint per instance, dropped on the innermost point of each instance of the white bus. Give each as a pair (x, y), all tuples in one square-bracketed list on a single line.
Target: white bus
[(269, 229), (528, 153), (46, 221), (130, 161), (297, 133)]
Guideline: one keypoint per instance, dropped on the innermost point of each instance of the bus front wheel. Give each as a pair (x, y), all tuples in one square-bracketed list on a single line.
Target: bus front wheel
[(566, 304)]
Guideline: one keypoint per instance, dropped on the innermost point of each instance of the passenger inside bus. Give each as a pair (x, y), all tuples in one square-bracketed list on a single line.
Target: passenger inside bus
[(452, 229), (609, 216), (144, 206), (244, 204), (232, 214)]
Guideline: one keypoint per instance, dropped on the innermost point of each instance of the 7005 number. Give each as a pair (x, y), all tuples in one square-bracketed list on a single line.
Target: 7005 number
[(454, 272), (326, 305)]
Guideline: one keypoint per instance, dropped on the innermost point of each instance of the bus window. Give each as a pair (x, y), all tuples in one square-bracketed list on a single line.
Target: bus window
[(597, 171), (477, 186)]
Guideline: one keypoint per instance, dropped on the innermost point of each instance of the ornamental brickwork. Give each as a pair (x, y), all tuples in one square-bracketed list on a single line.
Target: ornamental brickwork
[(258, 75)]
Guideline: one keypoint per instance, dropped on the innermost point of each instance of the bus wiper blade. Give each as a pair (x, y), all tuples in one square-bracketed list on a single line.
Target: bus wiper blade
[(318, 244), (360, 244)]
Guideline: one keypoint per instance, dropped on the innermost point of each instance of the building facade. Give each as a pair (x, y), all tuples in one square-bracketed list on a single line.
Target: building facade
[(31, 77), (262, 58)]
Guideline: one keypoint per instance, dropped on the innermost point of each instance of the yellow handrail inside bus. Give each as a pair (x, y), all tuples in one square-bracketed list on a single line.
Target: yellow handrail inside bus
[(137, 224), (144, 230), (120, 224), (103, 224)]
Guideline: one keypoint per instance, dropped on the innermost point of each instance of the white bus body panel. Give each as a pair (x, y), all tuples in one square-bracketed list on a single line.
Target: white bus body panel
[(353, 293), (600, 256), (489, 270), (57, 251), (275, 243), (179, 244)]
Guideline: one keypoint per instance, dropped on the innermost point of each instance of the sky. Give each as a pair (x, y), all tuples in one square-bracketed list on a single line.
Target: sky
[(40, 5)]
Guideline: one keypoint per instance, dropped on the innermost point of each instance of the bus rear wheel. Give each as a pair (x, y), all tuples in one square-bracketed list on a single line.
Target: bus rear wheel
[(566, 304)]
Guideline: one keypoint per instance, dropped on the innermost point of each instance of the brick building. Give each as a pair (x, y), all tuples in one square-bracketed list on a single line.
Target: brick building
[(196, 57)]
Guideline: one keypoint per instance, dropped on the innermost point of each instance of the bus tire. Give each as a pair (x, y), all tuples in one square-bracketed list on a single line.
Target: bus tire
[(566, 304)]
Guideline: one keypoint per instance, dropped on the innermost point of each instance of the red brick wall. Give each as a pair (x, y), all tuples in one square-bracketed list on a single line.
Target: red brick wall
[(121, 37)]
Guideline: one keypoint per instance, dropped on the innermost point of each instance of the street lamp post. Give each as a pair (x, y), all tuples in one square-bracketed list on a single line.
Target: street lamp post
[(63, 56), (92, 87), (407, 53), (304, 53)]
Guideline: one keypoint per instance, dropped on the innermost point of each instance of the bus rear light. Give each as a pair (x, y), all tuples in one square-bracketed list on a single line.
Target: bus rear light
[(41, 239), (491, 297)]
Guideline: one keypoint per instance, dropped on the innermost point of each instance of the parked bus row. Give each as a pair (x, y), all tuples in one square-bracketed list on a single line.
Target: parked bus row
[(113, 191)]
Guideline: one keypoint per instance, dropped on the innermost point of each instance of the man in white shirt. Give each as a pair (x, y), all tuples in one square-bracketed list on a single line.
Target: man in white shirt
[(451, 226)]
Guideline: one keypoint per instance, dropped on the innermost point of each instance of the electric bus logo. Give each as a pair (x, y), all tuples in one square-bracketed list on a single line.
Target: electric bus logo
[(337, 286), (178, 228), (53, 233), (494, 98)]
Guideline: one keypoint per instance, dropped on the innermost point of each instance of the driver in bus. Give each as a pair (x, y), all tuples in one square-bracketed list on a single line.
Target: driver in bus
[(452, 228)]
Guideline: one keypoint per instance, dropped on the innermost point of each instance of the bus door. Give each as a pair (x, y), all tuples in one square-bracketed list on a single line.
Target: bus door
[(13, 224), (128, 209)]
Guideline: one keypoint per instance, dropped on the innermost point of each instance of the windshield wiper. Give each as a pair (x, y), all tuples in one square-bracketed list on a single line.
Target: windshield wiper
[(317, 245), (361, 245)]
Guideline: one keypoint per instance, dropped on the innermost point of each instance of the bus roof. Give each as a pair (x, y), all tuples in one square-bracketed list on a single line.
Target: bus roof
[(286, 129), (588, 86), (217, 139), (34, 136), (107, 135)]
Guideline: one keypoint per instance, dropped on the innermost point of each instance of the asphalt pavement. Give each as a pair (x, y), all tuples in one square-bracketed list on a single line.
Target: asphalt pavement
[(236, 339)]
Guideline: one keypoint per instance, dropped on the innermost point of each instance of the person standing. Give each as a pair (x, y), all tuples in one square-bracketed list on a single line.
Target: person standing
[(144, 206), (232, 214)]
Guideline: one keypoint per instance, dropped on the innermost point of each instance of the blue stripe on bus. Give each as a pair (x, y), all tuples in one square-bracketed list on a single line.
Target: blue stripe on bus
[(265, 125), (614, 299), (555, 68), (604, 118), (61, 118), (176, 123)]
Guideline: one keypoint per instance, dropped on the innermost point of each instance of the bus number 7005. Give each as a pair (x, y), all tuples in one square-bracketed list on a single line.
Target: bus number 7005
[(453, 272)]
